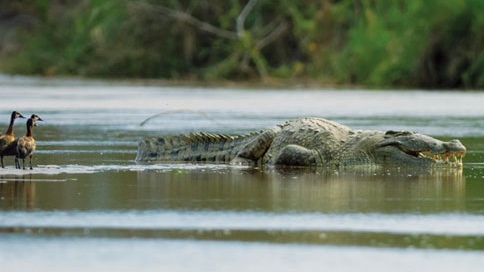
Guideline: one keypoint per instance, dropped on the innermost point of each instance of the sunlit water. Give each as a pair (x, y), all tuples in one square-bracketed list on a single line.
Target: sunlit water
[(87, 206)]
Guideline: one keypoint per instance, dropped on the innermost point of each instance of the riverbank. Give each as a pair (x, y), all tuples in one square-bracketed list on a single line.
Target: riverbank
[(274, 83), (413, 44)]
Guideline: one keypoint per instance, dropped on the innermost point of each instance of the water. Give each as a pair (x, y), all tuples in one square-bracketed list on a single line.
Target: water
[(87, 205)]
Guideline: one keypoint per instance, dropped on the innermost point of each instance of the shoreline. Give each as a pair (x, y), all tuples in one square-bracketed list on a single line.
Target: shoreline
[(270, 83)]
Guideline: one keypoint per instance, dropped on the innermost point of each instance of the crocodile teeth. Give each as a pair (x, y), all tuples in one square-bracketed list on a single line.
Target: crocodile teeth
[(448, 157)]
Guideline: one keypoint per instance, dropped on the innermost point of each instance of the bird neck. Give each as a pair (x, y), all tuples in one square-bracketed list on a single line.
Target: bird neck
[(10, 127), (29, 130)]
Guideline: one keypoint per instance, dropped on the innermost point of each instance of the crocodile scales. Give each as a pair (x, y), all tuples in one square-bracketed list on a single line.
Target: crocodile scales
[(305, 142)]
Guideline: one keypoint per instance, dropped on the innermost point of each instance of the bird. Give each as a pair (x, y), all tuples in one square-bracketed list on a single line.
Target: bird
[(25, 146), (8, 138)]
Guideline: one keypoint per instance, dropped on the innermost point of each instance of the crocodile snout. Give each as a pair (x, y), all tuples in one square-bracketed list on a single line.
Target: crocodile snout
[(455, 146)]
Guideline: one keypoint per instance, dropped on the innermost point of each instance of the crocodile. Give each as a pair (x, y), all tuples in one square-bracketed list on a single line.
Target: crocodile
[(305, 142)]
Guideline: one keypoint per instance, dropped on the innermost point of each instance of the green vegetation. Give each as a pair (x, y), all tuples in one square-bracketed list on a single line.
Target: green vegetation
[(411, 43)]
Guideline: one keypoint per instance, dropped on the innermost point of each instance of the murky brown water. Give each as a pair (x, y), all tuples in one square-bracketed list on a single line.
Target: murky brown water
[(88, 205)]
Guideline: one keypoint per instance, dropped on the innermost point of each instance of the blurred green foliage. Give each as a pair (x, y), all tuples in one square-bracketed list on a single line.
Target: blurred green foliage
[(410, 43)]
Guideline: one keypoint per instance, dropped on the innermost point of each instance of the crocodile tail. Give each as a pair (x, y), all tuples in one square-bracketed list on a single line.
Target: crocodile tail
[(194, 147)]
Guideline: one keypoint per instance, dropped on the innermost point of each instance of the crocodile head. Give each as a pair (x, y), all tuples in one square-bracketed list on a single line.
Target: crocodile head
[(414, 149)]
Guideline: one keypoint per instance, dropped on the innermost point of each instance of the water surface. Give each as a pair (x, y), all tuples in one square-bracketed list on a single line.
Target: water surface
[(88, 200)]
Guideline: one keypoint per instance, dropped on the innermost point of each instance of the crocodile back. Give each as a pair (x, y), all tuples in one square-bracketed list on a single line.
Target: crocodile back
[(194, 147)]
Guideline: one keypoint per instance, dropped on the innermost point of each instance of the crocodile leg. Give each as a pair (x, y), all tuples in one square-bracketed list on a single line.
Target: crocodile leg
[(253, 151), (295, 155)]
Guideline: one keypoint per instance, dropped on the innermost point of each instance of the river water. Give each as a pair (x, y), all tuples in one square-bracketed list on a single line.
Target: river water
[(88, 206)]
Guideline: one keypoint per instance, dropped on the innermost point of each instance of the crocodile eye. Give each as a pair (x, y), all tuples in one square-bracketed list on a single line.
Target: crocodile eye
[(391, 132), (398, 133)]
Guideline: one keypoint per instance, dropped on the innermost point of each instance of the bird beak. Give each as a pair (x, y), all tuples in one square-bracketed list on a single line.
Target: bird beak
[(21, 116), (39, 119)]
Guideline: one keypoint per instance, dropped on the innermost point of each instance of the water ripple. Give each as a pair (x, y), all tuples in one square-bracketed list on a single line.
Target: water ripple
[(435, 224)]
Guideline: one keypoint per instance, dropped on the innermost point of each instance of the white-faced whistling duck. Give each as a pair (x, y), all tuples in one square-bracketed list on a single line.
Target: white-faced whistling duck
[(26, 144), (8, 138)]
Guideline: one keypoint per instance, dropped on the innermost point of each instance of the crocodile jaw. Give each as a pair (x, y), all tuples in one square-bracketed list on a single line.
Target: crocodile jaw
[(443, 153)]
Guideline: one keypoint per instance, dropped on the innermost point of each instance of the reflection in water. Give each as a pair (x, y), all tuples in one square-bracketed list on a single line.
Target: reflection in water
[(363, 192), (219, 187), (17, 193), (383, 208), (305, 190)]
